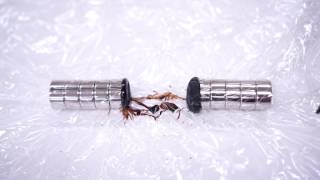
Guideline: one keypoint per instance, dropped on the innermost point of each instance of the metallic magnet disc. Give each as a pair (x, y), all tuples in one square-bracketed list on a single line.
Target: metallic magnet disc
[(57, 92), (86, 93), (205, 94), (218, 94), (101, 95), (233, 95)]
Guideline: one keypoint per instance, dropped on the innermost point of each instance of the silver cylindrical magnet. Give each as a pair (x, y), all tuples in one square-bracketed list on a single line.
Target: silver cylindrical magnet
[(108, 94), (57, 94), (114, 93), (228, 94), (86, 94), (217, 93), (205, 94), (71, 97), (233, 95), (101, 94), (264, 94), (248, 95)]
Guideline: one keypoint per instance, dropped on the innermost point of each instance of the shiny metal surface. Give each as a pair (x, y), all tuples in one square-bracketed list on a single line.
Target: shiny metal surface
[(248, 95), (229, 94), (233, 95), (57, 93), (85, 94), (101, 95), (205, 90), (264, 94), (218, 94), (115, 93), (71, 98)]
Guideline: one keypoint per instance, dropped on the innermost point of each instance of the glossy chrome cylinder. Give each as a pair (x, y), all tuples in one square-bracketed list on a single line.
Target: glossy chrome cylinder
[(227, 94), (86, 94)]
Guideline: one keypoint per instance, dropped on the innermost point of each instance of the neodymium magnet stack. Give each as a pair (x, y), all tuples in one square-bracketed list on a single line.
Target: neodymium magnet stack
[(108, 94), (227, 94)]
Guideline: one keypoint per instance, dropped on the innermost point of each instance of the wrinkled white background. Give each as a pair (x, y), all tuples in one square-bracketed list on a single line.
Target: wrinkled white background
[(159, 45)]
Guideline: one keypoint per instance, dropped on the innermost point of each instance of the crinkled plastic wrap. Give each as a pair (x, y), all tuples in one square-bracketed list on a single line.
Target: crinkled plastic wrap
[(159, 45)]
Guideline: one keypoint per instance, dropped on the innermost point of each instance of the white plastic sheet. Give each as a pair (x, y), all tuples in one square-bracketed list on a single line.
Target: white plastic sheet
[(159, 45)]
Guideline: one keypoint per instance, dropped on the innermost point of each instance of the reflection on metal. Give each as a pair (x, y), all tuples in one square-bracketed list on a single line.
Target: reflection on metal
[(228, 94), (108, 94)]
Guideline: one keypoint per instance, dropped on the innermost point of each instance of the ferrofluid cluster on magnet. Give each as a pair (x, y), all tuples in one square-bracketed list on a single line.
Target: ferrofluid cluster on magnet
[(201, 94)]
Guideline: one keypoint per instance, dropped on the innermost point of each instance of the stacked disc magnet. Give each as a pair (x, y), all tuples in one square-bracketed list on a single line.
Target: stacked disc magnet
[(106, 94), (228, 94)]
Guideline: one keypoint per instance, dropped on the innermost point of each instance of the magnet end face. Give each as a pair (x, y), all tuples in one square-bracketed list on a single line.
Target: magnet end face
[(318, 110), (193, 95), (125, 93)]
